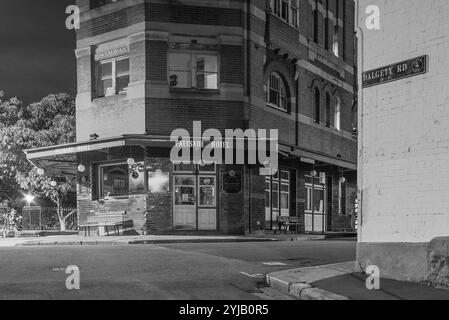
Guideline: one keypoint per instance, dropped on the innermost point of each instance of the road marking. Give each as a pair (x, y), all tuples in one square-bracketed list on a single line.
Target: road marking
[(274, 264), (257, 275)]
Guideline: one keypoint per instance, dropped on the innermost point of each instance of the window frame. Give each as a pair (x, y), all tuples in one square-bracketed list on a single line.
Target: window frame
[(193, 68), (278, 7), (337, 113), (114, 76), (316, 187), (282, 86), (101, 180)]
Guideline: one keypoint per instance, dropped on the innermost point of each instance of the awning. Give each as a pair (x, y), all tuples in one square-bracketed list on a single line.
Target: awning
[(300, 153), (62, 159)]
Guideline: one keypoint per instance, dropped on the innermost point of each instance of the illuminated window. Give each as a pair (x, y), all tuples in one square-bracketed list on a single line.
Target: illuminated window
[(337, 115)]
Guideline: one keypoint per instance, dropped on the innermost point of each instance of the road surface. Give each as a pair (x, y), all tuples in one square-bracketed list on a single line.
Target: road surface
[(229, 271)]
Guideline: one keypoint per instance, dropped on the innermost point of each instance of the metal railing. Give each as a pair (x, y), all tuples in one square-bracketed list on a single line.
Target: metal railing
[(46, 218)]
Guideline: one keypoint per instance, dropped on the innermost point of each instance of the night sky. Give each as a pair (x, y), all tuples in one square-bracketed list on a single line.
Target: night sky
[(36, 50)]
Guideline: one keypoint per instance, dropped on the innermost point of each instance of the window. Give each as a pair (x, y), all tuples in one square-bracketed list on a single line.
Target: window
[(193, 70), (284, 10), (207, 191), (337, 115), (120, 180), (276, 94), (315, 202), (326, 27), (285, 190), (342, 197), (335, 44), (317, 105), (113, 76), (114, 180), (295, 14), (315, 23), (277, 196), (287, 10), (328, 110)]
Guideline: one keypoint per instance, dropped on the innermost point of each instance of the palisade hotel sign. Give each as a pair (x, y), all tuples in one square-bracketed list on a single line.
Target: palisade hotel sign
[(393, 72)]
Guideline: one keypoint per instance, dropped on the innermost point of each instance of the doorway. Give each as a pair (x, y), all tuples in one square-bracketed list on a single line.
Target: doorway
[(195, 197)]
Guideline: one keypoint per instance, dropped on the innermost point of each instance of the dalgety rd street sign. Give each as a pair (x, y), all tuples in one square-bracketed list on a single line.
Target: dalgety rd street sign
[(393, 72)]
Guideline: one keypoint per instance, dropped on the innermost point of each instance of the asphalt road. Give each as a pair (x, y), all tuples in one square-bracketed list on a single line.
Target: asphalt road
[(230, 271)]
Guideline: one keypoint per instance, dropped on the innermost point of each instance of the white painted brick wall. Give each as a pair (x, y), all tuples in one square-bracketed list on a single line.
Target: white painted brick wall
[(405, 136)]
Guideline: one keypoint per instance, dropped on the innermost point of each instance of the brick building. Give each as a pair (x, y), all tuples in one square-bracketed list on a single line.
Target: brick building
[(147, 67), (404, 142)]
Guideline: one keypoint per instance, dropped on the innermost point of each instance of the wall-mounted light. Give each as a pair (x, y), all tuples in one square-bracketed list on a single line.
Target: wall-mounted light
[(81, 168), (313, 173), (131, 161)]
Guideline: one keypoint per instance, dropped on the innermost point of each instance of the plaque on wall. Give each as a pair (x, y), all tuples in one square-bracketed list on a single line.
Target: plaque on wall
[(232, 182)]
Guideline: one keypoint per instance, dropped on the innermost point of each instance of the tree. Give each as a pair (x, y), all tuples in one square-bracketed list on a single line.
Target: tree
[(45, 186), (50, 121)]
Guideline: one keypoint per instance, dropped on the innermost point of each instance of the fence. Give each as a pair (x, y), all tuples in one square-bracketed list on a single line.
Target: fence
[(46, 218)]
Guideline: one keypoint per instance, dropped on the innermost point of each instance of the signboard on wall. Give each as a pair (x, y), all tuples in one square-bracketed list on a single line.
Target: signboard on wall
[(396, 71), (232, 182)]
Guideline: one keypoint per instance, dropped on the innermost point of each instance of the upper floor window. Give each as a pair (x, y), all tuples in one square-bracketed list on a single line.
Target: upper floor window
[(337, 115), (317, 105), (277, 93), (328, 110), (315, 24), (287, 10), (193, 70), (113, 76), (99, 3), (335, 42)]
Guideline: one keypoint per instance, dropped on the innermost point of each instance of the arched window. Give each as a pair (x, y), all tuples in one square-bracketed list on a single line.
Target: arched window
[(317, 105), (337, 114), (328, 110), (335, 44), (277, 93)]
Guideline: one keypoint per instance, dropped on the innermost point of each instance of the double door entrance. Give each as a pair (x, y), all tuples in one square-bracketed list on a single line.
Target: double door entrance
[(195, 198)]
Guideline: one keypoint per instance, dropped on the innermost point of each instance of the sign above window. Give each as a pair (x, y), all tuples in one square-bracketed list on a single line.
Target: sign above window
[(393, 72), (112, 53)]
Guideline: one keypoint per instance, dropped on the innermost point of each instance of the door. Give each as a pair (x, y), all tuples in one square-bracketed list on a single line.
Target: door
[(207, 203), (184, 208)]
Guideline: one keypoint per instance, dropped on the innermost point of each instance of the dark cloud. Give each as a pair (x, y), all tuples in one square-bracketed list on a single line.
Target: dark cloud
[(36, 50)]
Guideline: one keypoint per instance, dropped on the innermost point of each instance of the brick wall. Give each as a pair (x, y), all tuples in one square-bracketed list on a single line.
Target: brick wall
[(405, 125)]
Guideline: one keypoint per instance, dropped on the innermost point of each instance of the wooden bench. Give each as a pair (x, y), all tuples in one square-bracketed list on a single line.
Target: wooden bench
[(285, 224), (106, 225), (104, 221)]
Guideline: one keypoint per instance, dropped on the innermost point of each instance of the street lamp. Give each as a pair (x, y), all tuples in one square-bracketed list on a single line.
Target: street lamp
[(29, 198)]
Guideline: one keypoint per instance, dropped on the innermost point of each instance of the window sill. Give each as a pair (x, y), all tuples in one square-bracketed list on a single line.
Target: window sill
[(118, 95), (277, 108), (194, 90)]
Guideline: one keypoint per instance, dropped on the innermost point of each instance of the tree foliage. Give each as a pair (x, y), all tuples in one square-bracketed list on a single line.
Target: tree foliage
[(50, 121)]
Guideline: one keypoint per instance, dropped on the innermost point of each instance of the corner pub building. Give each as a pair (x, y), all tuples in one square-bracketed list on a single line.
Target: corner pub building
[(148, 67)]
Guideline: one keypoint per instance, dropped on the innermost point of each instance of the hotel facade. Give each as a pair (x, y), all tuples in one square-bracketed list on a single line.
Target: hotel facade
[(148, 67)]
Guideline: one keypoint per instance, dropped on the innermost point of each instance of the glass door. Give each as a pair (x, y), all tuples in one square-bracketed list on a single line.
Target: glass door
[(207, 203), (184, 202)]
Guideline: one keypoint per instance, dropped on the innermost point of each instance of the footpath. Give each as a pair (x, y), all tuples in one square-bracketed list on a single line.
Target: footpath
[(340, 282)]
